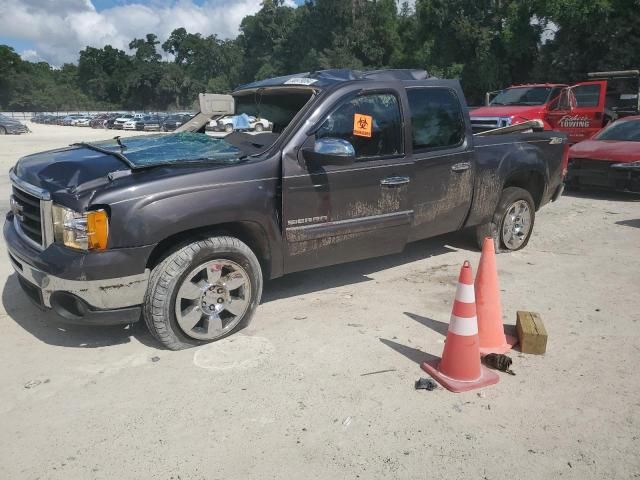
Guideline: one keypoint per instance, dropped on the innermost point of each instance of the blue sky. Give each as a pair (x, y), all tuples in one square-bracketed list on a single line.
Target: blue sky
[(56, 30)]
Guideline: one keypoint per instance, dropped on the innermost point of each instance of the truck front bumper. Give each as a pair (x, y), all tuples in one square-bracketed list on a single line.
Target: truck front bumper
[(108, 301), (623, 177)]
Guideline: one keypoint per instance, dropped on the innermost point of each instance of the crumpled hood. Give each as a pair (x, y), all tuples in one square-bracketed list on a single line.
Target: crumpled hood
[(610, 150), (83, 166), (67, 169), (79, 172)]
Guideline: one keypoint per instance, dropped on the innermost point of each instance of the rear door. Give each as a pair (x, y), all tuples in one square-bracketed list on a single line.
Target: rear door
[(443, 157), (333, 214), (579, 111)]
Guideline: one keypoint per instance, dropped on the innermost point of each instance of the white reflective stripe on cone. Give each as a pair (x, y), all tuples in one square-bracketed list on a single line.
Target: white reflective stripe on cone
[(462, 326), (465, 293)]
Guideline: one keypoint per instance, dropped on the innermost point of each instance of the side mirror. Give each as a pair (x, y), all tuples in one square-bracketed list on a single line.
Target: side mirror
[(330, 151)]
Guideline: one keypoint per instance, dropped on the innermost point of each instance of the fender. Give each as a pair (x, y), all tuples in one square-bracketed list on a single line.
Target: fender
[(517, 161), (165, 202)]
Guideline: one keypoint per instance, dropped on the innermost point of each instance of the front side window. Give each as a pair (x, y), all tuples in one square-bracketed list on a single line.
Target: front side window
[(371, 123), (562, 102), (555, 93), (436, 118)]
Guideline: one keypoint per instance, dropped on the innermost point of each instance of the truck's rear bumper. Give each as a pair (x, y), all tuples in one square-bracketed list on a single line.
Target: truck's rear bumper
[(107, 301)]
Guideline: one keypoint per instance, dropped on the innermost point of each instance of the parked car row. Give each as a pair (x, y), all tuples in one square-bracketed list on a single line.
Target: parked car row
[(118, 121), (155, 122)]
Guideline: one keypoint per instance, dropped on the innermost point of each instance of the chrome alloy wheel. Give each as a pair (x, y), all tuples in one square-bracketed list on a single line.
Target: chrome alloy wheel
[(516, 224), (212, 299)]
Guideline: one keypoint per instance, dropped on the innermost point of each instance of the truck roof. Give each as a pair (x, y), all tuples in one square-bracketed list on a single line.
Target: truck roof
[(326, 78)]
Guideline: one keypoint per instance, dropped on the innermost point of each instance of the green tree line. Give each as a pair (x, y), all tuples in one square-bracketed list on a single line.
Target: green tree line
[(487, 44)]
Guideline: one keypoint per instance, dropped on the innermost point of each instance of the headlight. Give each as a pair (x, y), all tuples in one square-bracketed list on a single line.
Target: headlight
[(539, 121), (84, 231)]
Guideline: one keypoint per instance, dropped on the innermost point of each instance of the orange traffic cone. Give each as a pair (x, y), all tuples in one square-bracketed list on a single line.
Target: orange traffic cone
[(490, 327), (460, 368)]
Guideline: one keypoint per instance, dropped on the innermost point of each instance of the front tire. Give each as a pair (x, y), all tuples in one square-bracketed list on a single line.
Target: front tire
[(202, 292), (512, 222)]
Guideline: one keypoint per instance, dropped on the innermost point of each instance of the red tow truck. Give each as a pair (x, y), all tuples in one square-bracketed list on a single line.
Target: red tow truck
[(579, 110)]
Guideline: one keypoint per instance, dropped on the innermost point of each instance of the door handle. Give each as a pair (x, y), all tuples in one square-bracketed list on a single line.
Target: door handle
[(461, 167), (394, 181)]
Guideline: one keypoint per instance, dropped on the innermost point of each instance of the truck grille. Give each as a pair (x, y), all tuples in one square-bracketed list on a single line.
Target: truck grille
[(596, 173), (26, 209), (482, 124), (593, 165), (32, 212)]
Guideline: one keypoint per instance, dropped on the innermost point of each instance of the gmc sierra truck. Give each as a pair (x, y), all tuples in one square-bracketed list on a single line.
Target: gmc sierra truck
[(181, 229)]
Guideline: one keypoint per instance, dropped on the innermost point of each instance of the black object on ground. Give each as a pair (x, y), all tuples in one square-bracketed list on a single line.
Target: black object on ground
[(426, 384), (499, 361)]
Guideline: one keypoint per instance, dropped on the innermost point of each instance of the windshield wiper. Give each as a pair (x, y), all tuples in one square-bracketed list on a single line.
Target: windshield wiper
[(119, 156), (123, 147)]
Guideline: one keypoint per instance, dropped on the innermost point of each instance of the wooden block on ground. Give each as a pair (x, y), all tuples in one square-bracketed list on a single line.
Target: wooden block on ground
[(531, 333)]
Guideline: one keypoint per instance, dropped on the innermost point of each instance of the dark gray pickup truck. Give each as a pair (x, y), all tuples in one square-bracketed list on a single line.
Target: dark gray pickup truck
[(181, 229)]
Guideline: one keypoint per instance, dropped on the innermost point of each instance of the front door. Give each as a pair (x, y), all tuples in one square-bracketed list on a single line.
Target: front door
[(444, 168), (334, 214), (579, 111)]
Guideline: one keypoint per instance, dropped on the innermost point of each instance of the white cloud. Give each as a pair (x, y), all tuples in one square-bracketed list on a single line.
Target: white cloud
[(30, 56), (59, 29), (412, 3)]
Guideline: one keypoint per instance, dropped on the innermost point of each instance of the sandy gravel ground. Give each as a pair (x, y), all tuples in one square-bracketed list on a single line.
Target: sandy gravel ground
[(287, 398)]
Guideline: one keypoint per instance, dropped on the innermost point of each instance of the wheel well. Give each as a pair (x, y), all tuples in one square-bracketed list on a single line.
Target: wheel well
[(531, 181), (250, 233)]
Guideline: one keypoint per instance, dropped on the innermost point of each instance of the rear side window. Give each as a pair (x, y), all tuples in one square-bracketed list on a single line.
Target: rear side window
[(436, 118), (371, 123), (587, 95)]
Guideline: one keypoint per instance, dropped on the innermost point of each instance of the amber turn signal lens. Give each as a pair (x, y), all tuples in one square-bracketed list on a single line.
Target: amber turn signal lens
[(97, 230)]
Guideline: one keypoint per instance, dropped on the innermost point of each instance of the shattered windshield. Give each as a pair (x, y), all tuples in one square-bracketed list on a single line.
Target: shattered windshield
[(522, 96), (183, 147)]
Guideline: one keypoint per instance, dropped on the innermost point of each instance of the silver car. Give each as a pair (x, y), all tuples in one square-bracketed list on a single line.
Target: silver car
[(10, 125)]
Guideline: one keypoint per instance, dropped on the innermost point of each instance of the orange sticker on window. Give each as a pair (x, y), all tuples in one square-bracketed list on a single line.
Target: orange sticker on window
[(362, 125)]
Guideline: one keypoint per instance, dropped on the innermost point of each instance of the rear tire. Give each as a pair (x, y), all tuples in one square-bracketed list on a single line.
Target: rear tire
[(259, 127), (512, 222), (3, 131), (228, 128), (181, 292)]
